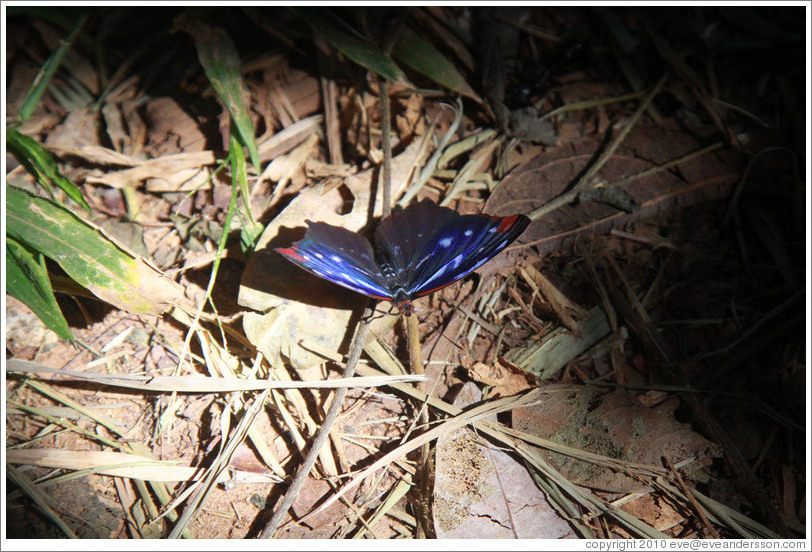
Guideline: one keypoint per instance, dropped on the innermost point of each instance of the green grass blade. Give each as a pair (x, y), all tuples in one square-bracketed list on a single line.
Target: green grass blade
[(249, 228), (87, 255), (349, 43), (222, 66), (38, 162), (421, 55), (46, 73), (27, 280)]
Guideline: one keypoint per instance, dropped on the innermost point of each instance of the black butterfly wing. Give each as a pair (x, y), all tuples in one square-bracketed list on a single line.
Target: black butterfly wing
[(432, 247), (340, 256)]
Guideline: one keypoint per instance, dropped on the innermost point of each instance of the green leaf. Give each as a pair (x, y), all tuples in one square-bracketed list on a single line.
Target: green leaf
[(222, 66), (249, 228), (27, 280), (46, 73), (87, 255), (38, 162), (238, 176), (421, 55), (344, 39)]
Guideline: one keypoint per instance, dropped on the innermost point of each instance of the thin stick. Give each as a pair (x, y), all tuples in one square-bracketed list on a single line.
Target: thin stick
[(386, 118), (422, 475), (386, 130), (324, 430)]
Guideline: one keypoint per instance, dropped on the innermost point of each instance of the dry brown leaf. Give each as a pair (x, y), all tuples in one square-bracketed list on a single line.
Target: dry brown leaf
[(547, 176), (161, 167), (79, 129), (615, 425), (505, 377), (654, 510), (482, 492), (172, 130)]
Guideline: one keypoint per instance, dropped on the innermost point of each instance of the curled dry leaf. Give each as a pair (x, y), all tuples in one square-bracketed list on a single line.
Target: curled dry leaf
[(505, 377), (155, 168)]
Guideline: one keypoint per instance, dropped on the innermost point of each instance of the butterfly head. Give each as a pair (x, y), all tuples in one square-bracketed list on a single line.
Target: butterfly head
[(403, 302)]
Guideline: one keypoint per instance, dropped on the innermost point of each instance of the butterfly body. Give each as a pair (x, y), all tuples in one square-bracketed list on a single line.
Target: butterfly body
[(417, 251)]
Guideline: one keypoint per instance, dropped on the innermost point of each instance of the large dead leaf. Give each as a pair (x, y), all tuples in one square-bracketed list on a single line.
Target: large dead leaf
[(298, 312), (482, 492), (707, 177), (614, 425)]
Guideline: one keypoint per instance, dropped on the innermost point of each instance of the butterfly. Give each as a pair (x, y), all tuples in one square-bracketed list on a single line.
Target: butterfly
[(416, 251)]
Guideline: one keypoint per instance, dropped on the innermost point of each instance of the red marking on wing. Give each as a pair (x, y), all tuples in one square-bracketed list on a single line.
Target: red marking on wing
[(291, 253), (507, 223)]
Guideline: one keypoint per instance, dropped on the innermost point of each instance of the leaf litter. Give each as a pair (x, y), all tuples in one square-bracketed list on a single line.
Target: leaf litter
[(696, 247)]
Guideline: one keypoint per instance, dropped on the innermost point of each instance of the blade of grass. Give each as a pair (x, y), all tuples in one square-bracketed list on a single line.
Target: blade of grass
[(250, 230), (421, 55), (46, 73), (347, 41), (39, 164), (221, 63), (27, 280)]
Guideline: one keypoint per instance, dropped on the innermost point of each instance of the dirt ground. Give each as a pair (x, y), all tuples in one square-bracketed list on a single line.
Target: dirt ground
[(634, 365)]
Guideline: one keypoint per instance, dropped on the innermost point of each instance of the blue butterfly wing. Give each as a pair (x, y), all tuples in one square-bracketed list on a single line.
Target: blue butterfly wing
[(461, 247), (340, 256), (400, 237), (428, 247)]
